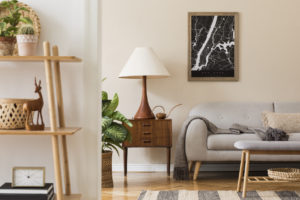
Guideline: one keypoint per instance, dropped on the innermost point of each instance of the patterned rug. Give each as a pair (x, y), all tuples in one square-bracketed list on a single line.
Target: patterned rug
[(218, 195)]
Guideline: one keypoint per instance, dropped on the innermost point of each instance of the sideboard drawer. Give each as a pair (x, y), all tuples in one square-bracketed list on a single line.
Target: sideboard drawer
[(150, 133)]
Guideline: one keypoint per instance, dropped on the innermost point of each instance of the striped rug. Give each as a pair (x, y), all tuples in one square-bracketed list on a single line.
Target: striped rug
[(218, 195)]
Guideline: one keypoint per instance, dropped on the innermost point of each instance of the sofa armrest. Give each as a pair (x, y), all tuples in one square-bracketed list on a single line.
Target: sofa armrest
[(196, 141)]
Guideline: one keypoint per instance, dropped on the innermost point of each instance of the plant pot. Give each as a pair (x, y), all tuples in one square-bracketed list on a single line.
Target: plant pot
[(107, 181), (7, 45), (27, 44)]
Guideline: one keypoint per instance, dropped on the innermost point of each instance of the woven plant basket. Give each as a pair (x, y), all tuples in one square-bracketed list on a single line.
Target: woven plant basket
[(288, 174), (32, 15), (12, 115), (107, 181)]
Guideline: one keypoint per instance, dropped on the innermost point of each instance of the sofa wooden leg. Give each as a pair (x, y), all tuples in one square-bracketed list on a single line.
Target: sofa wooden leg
[(242, 165), (190, 165), (246, 173), (197, 167)]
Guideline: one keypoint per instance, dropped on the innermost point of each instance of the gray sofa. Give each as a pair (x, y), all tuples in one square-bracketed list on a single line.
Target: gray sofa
[(201, 146)]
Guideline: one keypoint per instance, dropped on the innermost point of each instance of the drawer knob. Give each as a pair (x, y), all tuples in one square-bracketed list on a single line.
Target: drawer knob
[(147, 133), (147, 125), (147, 141)]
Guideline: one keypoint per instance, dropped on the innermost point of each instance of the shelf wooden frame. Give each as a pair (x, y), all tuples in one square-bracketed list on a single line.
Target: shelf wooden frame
[(39, 58), (55, 102), (47, 131)]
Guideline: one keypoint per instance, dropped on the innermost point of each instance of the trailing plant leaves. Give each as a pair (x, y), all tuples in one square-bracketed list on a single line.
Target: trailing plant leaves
[(120, 117), (106, 122), (109, 110), (116, 132)]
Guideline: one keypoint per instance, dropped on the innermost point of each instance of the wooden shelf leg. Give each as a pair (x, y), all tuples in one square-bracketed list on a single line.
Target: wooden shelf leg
[(125, 153), (61, 118), (55, 149), (53, 123)]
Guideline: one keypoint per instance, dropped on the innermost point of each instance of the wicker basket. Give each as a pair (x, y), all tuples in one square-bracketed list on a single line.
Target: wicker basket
[(289, 174), (31, 14), (12, 115), (107, 181)]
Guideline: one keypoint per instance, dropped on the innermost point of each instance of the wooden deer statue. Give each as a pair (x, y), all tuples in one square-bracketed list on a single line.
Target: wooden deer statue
[(32, 106)]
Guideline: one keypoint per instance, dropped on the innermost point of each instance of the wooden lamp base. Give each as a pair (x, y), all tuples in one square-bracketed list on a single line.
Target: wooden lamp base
[(144, 111)]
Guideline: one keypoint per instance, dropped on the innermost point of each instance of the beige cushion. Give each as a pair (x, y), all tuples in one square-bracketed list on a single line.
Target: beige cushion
[(288, 122), (226, 141)]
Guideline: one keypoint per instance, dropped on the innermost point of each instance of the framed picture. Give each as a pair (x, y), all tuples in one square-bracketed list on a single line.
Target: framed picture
[(213, 46)]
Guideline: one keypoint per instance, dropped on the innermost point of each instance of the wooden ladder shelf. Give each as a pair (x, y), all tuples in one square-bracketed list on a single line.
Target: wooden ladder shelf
[(54, 130)]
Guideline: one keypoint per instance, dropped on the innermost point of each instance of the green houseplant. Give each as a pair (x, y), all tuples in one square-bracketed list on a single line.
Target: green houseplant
[(113, 134), (27, 40), (9, 25)]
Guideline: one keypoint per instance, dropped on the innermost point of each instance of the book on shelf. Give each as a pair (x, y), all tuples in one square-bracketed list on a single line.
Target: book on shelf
[(27, 193)]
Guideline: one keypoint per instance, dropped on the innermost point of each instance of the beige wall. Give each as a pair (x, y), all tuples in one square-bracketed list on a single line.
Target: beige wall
[(269, 56)]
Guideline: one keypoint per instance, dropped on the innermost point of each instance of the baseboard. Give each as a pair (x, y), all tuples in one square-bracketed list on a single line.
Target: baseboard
[(204, 167)]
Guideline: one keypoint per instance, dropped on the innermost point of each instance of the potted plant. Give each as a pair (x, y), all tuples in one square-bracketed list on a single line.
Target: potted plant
[(114, 133), (27, 41), (9, 26)]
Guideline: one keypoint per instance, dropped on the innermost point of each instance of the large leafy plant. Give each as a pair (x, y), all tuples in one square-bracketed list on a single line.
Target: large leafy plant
[(9, 23), (113, 130)]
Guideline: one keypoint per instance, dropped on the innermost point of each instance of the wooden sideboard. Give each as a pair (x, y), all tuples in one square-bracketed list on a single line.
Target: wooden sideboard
[(150, 133)]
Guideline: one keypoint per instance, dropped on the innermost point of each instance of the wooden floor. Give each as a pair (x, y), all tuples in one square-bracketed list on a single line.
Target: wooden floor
[(130, 187)]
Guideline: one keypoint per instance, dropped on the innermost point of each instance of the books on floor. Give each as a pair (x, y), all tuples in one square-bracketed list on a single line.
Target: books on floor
[(27, 193)]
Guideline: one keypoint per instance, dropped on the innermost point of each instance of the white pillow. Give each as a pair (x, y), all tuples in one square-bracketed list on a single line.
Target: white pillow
[(288, 122)]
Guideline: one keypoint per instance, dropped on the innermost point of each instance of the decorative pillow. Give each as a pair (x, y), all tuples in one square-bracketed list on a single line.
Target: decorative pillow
[(288, 122)]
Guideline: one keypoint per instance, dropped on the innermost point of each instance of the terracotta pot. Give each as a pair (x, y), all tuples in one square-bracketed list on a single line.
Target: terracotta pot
[(7, 46), (107, 181), (27, 44)]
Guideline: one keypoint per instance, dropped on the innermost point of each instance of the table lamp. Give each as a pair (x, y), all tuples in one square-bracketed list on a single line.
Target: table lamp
[(144, 63)]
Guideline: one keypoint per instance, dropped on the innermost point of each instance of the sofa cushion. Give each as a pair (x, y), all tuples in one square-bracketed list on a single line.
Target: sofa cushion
[(223, 115), (226, 141), (287, 107), (268, 145)]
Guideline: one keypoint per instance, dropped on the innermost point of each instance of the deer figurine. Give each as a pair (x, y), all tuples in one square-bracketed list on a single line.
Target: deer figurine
[(32, 106)]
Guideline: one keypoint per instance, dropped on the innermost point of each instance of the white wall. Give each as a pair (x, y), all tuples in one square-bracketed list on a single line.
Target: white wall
[(269, 56), (72, 25)]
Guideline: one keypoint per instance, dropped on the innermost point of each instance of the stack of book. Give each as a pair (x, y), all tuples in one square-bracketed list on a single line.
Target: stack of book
[(26, 193)]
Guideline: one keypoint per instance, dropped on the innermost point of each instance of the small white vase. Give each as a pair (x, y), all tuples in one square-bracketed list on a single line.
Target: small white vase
[(27, 44)]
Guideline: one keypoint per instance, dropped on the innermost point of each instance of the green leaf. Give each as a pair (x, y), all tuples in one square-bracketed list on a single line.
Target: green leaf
[(104, 95), (26, 20), (120, 117), (116, 132), (112, 106), (106, 122), (105, 105), (115, 148)]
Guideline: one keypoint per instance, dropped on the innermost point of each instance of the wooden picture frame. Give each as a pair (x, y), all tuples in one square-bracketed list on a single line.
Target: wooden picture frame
[(208, 59)]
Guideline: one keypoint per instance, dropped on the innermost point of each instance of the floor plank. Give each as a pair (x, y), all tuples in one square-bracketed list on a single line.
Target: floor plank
[(129, 188)]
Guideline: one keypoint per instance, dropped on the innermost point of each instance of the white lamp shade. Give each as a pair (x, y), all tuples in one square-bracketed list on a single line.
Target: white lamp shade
[(144, 62)]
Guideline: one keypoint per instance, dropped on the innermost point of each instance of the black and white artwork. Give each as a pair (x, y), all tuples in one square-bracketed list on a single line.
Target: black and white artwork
[(213, 46)]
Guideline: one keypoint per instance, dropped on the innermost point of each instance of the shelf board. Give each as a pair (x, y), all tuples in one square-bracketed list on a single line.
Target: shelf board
[(72, 197), (39, 58), (47, 131)]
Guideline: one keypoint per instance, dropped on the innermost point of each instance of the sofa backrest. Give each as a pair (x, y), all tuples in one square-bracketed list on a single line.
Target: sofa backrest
[(287, 107), (224, 114)]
